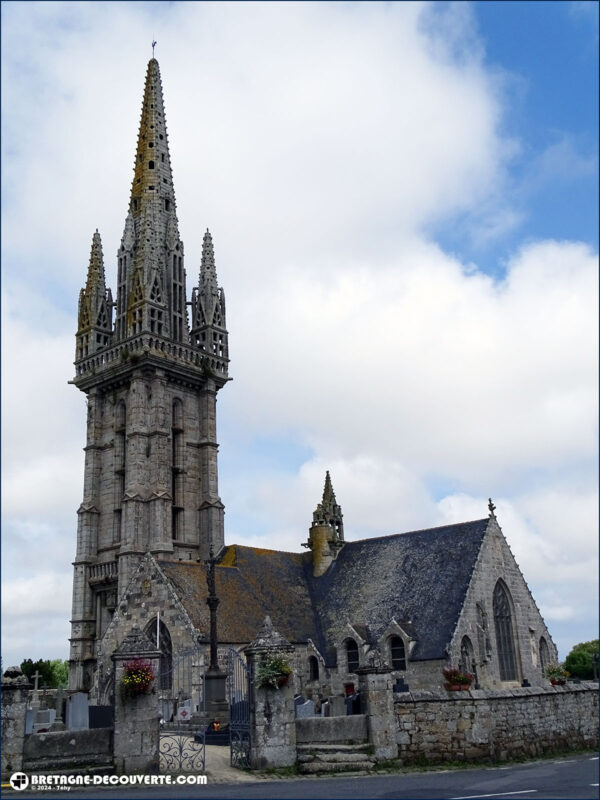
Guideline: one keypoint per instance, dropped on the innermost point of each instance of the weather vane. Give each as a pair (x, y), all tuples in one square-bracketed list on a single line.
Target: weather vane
[(153, 46)]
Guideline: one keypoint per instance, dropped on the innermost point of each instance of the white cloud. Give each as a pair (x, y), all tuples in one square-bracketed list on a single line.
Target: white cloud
[(318, 142)]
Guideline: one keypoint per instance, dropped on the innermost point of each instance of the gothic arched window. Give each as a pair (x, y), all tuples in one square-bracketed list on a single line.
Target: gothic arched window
[(505, 641), (162, 639), (352, 655), (397, 653), (313, 668), (544, 654)]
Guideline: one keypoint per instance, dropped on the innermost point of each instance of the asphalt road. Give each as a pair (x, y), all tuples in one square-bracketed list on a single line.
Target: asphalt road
[(574, 778)]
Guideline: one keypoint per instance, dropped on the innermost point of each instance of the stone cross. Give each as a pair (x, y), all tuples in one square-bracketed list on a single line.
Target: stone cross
[(35, 695)]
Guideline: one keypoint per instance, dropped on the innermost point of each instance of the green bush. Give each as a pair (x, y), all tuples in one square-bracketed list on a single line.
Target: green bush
[(579, 660)]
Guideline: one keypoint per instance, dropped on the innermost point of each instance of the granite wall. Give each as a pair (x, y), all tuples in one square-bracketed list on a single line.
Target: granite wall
[(483, 725)]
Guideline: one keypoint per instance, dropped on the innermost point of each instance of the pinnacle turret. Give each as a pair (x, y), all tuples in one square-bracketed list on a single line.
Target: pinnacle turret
[(208, 271), (328, 512), (94, 322), (209, 331), (326, 535)]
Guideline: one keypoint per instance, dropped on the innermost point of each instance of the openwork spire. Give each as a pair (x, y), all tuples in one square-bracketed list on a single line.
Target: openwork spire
[(152, 181), (328, 512), (151, 295)]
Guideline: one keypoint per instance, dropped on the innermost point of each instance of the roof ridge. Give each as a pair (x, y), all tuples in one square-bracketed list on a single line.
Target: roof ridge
[(266, 549), (419, 530)]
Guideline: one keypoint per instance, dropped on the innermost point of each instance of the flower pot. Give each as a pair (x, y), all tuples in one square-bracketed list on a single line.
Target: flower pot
[(283, 680), (556, 682), (457, 687)]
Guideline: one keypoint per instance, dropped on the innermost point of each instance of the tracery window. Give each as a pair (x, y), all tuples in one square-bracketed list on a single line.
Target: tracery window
[(162, 639), (397, 653), (505, 641)]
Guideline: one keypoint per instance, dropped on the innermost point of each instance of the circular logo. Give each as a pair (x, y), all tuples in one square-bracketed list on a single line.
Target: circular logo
[(19, 781)]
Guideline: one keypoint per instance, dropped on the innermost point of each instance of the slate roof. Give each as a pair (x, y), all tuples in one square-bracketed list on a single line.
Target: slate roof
[(417, 578), (251, 583)]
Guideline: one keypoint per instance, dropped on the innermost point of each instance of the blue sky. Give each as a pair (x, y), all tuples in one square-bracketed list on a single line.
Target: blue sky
[(404, 203), (548, 54)]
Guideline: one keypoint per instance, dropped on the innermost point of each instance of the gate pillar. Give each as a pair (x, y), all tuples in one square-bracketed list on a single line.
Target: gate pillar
[(272, 717), (136, 736), (377, 702)]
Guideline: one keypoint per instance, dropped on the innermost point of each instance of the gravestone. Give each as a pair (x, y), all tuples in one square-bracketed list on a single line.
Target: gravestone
[(325, 710), (58, 724), (305, 710), (298, 700), (166, 710), (102, 716), (29, 717), (77, 715), (43, 719), (337, 706)]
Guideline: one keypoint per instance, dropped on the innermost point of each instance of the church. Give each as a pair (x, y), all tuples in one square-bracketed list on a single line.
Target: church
[(151, 364)]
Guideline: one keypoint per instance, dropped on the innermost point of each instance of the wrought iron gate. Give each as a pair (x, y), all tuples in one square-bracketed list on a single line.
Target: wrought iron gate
[(240, 698), (181, 706)]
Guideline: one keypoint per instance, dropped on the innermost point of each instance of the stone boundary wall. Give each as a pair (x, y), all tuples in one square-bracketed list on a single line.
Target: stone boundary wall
[(332, 730), (484, 725), (57, 750)]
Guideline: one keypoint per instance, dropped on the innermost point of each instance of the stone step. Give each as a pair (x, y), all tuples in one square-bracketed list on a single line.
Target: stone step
[(314, 767), (305, 758), (320, 747)]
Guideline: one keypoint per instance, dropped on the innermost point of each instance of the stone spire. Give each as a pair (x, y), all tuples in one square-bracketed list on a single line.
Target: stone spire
[(150, 393), (326, 535), (94, 322), (151, 283), (209, 331)]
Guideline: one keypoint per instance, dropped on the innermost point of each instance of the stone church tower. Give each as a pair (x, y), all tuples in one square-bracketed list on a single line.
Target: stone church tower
[(151, 379)]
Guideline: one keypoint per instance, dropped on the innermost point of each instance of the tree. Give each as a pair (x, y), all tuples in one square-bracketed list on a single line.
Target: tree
[(579, 662), (53, 674)]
